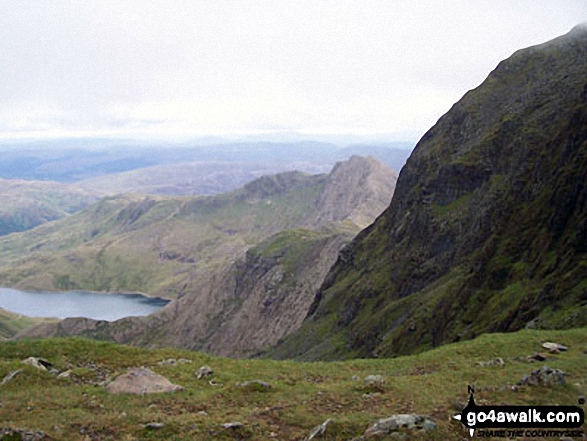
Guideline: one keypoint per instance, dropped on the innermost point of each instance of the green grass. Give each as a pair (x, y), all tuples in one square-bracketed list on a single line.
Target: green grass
[(11, 324), (302, 396)]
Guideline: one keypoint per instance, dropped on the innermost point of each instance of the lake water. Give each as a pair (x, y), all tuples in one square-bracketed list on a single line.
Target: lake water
[(78, 304)]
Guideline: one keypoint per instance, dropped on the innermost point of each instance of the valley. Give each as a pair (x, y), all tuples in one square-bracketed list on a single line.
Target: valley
[(309, 295), (244, 263)]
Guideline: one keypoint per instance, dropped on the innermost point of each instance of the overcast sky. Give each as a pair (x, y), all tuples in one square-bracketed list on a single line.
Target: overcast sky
[(171, 68)]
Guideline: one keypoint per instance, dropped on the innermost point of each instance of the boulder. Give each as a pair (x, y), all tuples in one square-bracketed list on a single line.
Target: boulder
[(544, 376), (401, 424), (536, 357), (554, 347), (495, 362), (255, 385), (204, 371), (318, 430), (374, 380), (39, 363), (233, 425), (141, 381), (10, 376)]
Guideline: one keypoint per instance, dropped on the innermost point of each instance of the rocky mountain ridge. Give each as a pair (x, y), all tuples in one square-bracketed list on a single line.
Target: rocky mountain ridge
[(244, 267), (487, 230)]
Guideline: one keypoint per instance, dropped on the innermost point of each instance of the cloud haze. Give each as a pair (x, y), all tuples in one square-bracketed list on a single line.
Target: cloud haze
[(159, 68)]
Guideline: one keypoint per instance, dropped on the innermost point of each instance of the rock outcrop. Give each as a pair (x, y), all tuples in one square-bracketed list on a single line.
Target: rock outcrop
[(141, 381)]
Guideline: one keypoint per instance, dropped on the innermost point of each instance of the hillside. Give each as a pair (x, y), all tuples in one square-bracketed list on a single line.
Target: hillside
[(244, 263), (487, 229), (301, 396), (26, 204)]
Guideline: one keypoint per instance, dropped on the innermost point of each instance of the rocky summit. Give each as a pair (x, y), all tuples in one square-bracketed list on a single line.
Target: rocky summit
[(487, 229)]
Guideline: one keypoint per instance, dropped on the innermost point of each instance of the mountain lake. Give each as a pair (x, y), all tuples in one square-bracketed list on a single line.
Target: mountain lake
[(92, 305)]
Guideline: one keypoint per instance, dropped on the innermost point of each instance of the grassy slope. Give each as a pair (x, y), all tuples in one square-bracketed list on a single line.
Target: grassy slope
[(26, 204), (108, 246), (303, 394), (11, 324)]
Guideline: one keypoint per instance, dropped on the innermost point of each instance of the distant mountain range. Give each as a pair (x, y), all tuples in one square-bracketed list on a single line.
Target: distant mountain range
[(74, 160)]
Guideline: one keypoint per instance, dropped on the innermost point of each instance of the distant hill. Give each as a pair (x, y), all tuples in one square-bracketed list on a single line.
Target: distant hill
[(26, 204), (246, 262), (487, 230), (119, 166)]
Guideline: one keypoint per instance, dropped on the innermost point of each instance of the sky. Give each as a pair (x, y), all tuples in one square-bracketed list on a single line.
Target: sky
[(227, 68)]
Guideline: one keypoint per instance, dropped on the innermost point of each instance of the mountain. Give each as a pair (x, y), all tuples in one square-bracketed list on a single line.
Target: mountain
[(204, 177), (26, 204), (487, 229), (243, 263)]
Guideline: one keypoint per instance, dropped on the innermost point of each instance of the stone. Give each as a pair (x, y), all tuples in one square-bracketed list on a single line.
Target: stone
[(204, 371), (374, 380), (154, 426), (318, 430), (65, 374), (141, 381), (233, 425), (495, 362), (23, 434), (536, 357), (544, 376), (10, 376), (39, 363), (255, 384), (173, 361), (554, 347), (399, 426)]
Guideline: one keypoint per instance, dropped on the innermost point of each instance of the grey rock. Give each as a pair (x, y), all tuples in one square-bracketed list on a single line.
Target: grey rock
[(544, 376), (10, 376), (173, 361), (318, 430), (233, 425), (24, 434), (255, 384), (374, 380), (536, 357), (154, 426), (141, 381), (495, 362), (399, 426), (39, 363), (65, 374), (204, 371), (554, 347)]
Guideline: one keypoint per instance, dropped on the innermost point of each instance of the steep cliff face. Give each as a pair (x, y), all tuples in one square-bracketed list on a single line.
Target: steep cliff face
[(253, 281), (487, 230), (356, 189)]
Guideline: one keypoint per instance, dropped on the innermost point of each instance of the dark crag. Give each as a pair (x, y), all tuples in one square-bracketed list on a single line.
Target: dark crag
[(487, 230)]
